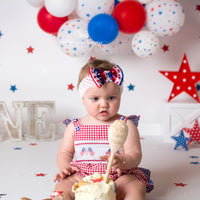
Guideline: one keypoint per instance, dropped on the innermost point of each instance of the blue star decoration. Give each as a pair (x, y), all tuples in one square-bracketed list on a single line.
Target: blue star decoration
[(130, 87), (13, 88), (0, 34), (181, 141)]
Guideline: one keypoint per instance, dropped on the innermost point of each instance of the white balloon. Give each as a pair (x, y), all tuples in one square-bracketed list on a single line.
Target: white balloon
[(117, 46), (87, 9), (145, 44), (165, 17), (60, 8), (36, 3), (73, 37)]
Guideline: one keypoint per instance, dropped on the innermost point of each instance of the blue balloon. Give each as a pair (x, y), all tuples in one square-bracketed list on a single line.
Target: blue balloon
[(103, 28)]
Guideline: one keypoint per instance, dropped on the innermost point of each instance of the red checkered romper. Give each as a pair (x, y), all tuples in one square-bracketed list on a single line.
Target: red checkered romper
[(91, 141)]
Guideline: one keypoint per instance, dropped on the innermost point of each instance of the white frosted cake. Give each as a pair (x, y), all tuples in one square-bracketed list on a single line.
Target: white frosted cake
[(94, 188)]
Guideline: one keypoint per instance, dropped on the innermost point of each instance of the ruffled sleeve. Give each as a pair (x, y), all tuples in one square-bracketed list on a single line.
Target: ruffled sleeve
[(67, 122), (134, 118)]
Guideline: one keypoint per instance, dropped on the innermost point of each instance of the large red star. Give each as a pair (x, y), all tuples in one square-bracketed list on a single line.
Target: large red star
[(184, 80), (194, 132)]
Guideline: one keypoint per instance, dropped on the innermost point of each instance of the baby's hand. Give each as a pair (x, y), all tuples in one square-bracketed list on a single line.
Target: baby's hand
[(64, 173), (117, 163)]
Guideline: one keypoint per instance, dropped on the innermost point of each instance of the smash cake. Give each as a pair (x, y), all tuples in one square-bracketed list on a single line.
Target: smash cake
[(94, 187)]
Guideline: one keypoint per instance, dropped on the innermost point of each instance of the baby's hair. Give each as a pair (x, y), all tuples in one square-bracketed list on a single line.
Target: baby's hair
[(95, 63)]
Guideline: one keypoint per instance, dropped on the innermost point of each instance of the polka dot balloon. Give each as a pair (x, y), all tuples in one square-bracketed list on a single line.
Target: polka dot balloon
[(87, 9), (118, 45), (165, 17), (145, 44), (73, 37)]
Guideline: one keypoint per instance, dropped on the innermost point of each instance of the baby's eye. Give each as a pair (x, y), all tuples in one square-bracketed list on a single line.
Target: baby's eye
[(95, 98), (111, 97)]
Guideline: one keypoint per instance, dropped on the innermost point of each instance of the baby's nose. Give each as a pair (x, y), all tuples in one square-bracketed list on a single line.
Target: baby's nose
[(104, 103)]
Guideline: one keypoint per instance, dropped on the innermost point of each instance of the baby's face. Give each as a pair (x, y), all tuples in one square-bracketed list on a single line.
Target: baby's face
[(102, 103)]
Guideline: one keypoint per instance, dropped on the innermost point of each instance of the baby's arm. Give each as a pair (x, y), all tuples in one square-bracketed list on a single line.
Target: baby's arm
[(132, 148), (66, 153)]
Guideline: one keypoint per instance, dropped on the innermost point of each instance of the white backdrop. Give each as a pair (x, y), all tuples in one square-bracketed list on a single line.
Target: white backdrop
[(46, 73)]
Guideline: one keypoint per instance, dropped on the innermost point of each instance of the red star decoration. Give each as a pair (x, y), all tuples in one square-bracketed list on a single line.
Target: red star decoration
[(184, 80), (194, 132), (165, 47), (40, 174), (198, 7), (70, 86), (180, 184), (30, 49), (92, 58)]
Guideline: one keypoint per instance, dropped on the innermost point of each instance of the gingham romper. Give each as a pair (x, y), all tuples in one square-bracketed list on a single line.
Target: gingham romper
[(91, 141)]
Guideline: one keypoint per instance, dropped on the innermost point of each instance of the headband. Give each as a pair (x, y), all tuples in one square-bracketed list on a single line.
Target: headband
[(99, 77)]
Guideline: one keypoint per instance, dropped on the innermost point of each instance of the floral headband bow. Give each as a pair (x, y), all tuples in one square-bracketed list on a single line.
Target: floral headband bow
[(99, 78)]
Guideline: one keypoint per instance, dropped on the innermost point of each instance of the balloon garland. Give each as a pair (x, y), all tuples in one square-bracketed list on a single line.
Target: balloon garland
[(109, 25)]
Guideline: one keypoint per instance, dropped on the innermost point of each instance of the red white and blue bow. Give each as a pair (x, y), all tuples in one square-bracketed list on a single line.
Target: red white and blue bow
[(100, 77)]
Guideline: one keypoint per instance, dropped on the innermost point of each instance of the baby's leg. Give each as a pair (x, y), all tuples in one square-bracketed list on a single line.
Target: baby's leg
[(66, 186), (130, 188)]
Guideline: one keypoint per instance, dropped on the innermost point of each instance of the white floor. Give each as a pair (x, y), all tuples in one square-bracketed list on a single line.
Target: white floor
[(21, 162)]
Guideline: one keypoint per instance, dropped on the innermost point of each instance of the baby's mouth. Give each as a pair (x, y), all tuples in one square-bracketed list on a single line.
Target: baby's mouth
[(103, 112)]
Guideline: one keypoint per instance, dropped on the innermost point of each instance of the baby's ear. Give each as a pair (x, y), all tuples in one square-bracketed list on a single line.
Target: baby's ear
[(83, 100)]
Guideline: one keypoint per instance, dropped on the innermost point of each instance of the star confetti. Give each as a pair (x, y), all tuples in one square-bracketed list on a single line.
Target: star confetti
[(17, 148), (198, 7), (130, 87), (70, 86), (165, 48), (180, 184), (13, 88), (194, 132), (195, 163), (33, 144), (30, 49), (181, 141), (184, 80), (40, 174), (194, 156)]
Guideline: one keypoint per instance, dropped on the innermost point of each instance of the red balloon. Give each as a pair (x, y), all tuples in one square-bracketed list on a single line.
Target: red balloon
[(130, 15), (48, 22)]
